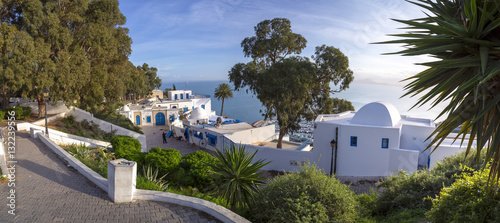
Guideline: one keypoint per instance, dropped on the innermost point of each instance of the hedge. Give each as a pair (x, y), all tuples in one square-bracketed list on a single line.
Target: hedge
[(21, 113), (126, 147)]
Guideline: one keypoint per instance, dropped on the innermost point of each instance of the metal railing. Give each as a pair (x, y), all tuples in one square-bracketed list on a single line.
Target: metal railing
[(303, 145)]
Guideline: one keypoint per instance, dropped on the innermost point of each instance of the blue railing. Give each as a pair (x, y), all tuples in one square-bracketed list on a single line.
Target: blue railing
[(303, 145)]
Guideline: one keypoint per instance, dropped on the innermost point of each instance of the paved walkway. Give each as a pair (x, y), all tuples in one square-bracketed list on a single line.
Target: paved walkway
[(47, 190), (154, 138)]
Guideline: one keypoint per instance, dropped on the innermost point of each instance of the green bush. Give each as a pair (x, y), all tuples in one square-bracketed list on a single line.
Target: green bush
[(166, 160), (2, 115), (198, 170), (403, 191), (194, 192), (125, 147), (469, 199), (305, 196), (21, 113), (95, 158), (150, 180)]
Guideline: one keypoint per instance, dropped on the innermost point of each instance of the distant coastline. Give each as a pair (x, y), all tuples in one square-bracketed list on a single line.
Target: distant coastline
[(247, 107)]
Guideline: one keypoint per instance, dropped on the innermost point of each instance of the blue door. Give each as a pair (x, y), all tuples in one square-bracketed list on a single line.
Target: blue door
[(160, 119), (137, 119)]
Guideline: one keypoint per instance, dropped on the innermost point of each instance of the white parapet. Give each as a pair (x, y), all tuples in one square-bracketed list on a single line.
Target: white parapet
[(122, 175)]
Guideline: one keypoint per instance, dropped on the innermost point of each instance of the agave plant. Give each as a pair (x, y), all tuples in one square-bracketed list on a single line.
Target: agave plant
[(152, 176), (237, 179), (464, 37)]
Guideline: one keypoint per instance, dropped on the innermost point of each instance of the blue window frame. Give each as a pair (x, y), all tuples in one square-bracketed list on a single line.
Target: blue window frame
[(148, 119), (385, 143), (198, 135), (187, 95), (354, 141), (203, 106), (175, 96), (211, 140), (182, 96)]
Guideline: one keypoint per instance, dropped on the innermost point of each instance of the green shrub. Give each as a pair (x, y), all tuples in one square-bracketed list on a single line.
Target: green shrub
[(197, 166), (125, 147), (166, 160), (21, 113), (403, 191), (469, 199), (95, 158), (2, 115), (305, 196), (149, 180), (194, 192)]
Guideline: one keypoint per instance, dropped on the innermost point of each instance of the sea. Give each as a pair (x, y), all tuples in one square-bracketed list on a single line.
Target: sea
[(246, 107)]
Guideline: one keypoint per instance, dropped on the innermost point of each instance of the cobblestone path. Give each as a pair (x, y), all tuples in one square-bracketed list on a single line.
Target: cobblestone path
[(46, 190)]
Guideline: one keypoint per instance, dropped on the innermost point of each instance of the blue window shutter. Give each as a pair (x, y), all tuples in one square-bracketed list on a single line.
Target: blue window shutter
[(354, 141), (385, 143)]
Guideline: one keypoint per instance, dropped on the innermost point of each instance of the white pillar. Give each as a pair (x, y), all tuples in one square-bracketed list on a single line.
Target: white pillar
[(122, 176)]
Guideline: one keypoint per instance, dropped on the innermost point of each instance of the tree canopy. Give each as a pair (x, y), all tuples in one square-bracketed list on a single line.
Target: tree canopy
[(76, 49), (290, 87)]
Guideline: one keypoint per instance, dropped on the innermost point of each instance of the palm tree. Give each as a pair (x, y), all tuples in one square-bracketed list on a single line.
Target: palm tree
[(223, 91), (464, 37), (237, 179)]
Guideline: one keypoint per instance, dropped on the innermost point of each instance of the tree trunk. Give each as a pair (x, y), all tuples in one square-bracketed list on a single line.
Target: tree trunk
[(222, 108), (280, 138), (5, 102), (41, 106)]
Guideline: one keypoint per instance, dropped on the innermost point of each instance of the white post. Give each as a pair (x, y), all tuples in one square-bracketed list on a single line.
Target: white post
[(122, 175)]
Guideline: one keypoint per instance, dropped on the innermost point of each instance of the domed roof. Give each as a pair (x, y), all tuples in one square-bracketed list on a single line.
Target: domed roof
[(198, 113), (125, 108), (378, 114)]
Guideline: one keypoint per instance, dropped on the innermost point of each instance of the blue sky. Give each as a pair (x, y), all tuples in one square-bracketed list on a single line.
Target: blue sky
[(200, 40)]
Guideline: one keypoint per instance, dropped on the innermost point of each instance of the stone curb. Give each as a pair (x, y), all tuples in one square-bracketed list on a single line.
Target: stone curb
[(217, 211)]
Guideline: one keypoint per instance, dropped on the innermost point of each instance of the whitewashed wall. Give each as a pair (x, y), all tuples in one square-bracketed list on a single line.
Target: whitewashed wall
[(414, 138), (442, 152), (262, 134), (81, 115), (63, 138), (283, 159)]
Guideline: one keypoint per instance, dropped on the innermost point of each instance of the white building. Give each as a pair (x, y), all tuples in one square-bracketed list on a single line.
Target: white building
[(375, 141), (159, 111), (211, 136)]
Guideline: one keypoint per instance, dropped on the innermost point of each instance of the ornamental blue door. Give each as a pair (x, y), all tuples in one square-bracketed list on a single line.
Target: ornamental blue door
[(138, 120), (160, 119)]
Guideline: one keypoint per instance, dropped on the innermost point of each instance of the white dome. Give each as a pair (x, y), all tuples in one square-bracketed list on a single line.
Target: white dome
[(125, 108), (378, 114), (198, 113)]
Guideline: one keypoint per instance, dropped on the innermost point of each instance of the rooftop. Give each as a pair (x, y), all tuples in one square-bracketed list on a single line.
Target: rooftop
[(227, 128), (379, 114)]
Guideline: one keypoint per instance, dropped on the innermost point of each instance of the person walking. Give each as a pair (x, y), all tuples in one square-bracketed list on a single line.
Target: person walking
[(164, 136)]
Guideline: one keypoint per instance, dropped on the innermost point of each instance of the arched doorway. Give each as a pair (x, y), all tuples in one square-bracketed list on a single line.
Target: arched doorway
[(160, 118), (138, 120)]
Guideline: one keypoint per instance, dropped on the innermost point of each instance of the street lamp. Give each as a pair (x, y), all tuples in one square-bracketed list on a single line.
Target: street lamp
[(333, 143), (45, 95)]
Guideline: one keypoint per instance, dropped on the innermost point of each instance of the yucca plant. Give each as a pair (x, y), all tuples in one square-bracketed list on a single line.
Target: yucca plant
[(237, 179), (152, 176), (464, 37)]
